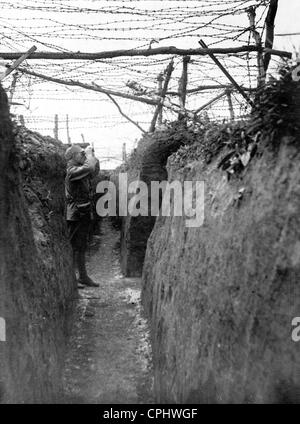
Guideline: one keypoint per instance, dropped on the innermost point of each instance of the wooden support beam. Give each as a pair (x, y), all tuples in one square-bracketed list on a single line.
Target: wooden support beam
[(227, 74), (91, 87), (171, 50), (169, 71), (15, 65)]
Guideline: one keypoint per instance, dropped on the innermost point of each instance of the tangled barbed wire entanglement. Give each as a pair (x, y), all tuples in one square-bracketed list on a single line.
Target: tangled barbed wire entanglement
[(160, 30)]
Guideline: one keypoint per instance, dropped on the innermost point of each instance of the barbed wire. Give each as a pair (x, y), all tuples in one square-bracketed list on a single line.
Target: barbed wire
[(94, 25)]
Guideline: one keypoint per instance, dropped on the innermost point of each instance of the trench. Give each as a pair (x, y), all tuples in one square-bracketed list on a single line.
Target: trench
[(108, 357), (218, 297)]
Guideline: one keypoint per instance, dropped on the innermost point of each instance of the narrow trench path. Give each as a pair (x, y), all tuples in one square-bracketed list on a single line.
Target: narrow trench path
[(108, 358)]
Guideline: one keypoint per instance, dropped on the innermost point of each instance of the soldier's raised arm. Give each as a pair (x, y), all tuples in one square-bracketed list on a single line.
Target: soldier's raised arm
[(79, 164)]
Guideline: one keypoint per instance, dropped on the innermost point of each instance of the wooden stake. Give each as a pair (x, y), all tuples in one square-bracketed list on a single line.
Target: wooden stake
[(160, 79), (22, 121), (21, 59), (13, 87), (124, 152), (183, 82), (68, 133), (55, 130), (169, 71), (230, 106)]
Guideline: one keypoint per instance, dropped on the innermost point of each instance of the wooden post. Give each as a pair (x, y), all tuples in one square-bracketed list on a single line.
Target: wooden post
[(230, 106), (183, 82), (13, 87), (68, 132), (169, 71), (160, 79), (22, 121), (55, 130), (124, 152)]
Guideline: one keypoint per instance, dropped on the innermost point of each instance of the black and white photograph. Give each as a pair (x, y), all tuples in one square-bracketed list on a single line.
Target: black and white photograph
[(149, 206)]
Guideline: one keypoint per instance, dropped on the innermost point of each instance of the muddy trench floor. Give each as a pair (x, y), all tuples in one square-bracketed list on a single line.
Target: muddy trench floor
[(108, 358)]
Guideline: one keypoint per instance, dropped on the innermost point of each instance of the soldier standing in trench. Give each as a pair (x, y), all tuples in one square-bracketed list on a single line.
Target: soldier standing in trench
[(78, 189)]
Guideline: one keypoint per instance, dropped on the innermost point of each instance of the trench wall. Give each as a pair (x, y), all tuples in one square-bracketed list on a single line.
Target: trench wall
[(36, 277), (221, 297)]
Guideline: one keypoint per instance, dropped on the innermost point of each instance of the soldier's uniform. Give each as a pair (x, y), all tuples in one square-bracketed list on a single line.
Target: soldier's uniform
[(79, 197)]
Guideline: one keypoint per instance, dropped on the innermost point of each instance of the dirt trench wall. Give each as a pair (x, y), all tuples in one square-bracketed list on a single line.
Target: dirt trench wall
[(36, 278), (221, 297)]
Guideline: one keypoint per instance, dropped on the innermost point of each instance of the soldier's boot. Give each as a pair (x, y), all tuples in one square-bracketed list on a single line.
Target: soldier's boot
[(75, 265), (83, 276)]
